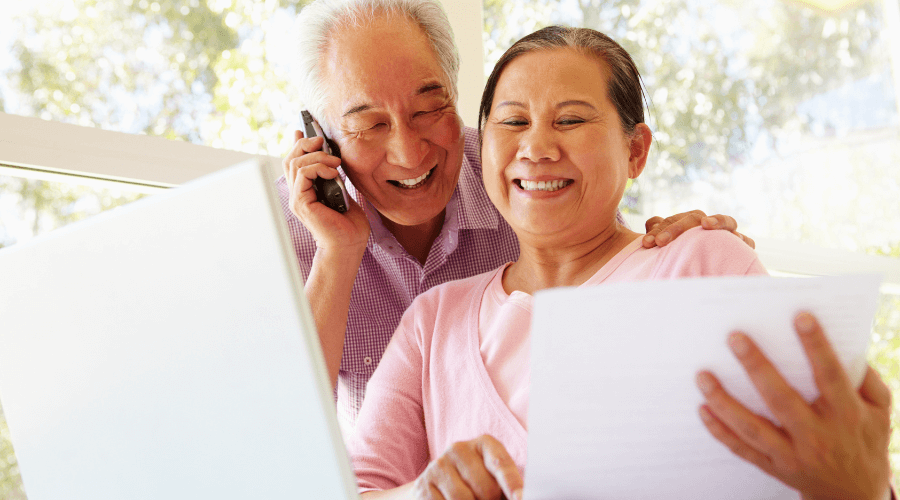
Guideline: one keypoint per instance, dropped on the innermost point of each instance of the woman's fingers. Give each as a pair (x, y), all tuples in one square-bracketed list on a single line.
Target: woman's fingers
[(449, 482), (832, 381), (786, 404), (835, 447), (736, 444), (479, 469), (501, 466), (745, 428), (474, 473), (875, 391)]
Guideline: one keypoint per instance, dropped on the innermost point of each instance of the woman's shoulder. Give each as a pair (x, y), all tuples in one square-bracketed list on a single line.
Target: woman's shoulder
[(701, 252)]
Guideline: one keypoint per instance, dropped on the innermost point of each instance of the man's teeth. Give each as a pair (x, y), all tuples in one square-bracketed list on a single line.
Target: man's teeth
[(543, 185), (417, 180)]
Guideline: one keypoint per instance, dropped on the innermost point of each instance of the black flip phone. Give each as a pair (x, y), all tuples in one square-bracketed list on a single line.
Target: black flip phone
[(331, 192)]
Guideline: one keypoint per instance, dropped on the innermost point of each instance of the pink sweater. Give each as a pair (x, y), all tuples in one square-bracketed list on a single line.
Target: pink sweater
[(432, 388)]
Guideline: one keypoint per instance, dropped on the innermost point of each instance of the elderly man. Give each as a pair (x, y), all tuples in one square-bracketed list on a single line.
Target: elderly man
[(380, 76)]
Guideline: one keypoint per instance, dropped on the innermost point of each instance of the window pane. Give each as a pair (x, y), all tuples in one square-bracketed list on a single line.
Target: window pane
[(780, 114), (30, 207), (208, 72)]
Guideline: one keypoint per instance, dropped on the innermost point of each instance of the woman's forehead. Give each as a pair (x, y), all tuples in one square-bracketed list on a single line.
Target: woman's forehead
[(545, 72)]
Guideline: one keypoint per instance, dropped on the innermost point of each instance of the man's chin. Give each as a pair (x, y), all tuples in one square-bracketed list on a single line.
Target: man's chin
[(417, 216)]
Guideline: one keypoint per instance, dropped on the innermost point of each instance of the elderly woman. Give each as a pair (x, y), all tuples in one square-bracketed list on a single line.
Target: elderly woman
[(563, 130)]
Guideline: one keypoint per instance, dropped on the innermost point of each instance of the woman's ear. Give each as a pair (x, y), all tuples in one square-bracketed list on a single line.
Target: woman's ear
[(641, 139)]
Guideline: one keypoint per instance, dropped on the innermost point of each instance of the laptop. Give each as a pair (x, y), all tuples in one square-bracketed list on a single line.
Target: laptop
[(165, 349)]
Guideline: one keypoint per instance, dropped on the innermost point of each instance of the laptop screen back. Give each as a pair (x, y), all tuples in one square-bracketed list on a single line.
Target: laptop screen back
[(166, 350)]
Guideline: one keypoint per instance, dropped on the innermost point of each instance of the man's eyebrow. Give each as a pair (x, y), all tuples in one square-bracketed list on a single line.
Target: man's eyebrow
[(359, 108), (424, 89), (429, 87)]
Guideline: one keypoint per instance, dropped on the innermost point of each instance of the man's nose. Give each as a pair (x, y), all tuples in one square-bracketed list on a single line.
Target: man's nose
[(405, 147), (539, 144)]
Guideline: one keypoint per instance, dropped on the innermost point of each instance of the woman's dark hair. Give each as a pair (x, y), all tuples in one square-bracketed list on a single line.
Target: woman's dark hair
[(624, 87)]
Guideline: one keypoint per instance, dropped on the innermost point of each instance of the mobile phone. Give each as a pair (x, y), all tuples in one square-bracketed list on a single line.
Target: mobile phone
[(331, 192)]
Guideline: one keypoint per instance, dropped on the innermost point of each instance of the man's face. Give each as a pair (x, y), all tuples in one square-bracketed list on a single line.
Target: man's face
[(391, 113)]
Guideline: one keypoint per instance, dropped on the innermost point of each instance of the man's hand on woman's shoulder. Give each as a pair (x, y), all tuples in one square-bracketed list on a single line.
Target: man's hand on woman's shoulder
[(662, 231)]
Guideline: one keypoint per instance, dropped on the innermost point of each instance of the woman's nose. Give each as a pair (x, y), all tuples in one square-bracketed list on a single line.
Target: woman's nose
[(539, 144), (405, 147)]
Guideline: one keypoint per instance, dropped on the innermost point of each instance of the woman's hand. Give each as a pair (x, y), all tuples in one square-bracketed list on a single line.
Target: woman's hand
[(661, 231), (330, 229), (478, 469), (834, 448)]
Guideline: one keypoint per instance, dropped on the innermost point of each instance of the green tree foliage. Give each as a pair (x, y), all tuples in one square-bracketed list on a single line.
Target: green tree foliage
[(721, 75), (191, 70), (10, 482), (885, 358), (885, 353)]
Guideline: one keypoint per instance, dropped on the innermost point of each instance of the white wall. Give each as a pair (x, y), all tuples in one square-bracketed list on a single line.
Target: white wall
[(466, 18)]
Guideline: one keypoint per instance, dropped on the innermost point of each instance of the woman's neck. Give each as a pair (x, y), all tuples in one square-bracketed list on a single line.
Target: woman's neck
[(552, 266)]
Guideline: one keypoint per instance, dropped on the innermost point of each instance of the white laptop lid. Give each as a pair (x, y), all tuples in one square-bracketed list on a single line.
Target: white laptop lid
[(166, 350)]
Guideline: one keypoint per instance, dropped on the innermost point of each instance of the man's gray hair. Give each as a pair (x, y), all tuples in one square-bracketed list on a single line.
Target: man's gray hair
[(318, 21)]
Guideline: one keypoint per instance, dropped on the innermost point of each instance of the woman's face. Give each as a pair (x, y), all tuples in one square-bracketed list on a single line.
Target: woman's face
[(555, 157)]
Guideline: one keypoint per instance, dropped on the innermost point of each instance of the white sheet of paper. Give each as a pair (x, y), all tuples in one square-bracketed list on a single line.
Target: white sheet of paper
[(613, 409)]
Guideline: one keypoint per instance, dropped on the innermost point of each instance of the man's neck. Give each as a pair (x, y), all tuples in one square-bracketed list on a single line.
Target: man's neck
[(416, 240)]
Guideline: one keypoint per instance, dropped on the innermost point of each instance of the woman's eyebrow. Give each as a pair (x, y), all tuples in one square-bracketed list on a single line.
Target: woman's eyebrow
[(510, 103), (575, 102), (571, 102)]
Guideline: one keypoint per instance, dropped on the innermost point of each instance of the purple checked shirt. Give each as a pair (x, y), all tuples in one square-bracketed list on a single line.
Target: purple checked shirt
[(475, 239)]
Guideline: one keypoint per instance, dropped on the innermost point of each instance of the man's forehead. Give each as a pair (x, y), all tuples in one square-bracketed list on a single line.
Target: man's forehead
[(389, 59)]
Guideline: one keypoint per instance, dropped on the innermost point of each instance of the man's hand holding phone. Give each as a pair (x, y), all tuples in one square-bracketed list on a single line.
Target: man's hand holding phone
[(332, 230)]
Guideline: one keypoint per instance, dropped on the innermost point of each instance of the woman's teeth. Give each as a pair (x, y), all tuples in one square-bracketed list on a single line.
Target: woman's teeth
[(543, 185), (412, 183)]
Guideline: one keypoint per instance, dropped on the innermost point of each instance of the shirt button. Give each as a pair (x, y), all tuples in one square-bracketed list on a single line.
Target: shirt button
[(367, 360)]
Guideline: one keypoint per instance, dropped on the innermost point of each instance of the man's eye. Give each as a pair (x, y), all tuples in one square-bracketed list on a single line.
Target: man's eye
[(425, 113)]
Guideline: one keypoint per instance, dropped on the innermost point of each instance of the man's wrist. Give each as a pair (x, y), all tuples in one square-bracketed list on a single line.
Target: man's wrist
[(340, 255)]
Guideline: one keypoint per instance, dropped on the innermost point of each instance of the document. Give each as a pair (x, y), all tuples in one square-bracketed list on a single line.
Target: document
[(613, 411)]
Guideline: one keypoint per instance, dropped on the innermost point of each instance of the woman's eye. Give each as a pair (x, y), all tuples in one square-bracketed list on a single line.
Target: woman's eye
[(570, 121), (514, 122)]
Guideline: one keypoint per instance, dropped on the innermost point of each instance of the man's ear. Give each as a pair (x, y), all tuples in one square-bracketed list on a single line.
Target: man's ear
[(640, 139)]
